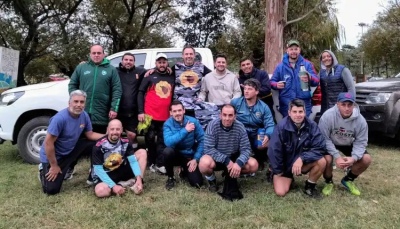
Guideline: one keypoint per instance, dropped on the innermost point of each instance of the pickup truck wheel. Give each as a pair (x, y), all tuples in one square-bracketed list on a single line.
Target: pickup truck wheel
[(31, 138)]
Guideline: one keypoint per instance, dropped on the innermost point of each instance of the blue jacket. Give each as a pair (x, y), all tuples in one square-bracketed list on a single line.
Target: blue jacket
[(259, 75), (292, 90), (253, 119), (176, 136), (287, 144)]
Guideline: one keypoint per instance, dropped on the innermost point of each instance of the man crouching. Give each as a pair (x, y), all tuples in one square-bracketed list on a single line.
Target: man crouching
[(115, 164)]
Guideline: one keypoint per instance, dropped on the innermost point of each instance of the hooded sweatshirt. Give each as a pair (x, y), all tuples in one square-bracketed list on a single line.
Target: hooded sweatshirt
[(338, 131), (220, 89), (333, 81)]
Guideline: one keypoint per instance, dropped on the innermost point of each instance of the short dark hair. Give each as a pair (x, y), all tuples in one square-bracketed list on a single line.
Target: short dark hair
[(174, 103), (253, 83), (297, 103), (220, 55), (128, 54), (246, 58), (229, 105), (188, 47), (90, 49)]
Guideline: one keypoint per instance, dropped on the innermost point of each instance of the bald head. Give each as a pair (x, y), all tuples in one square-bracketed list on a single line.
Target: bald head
[(97, 54), (114, 130)]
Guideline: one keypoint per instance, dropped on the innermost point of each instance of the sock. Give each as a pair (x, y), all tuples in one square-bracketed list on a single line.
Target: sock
[(350, 176), (210, 178), (328, 180), (310, 184)]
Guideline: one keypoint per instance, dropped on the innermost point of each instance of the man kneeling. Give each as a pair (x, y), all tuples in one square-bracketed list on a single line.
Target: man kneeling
[(227, 148), (296, 147), (115, 164)]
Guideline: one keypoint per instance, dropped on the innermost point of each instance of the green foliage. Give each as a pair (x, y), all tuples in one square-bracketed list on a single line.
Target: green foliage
[(203, 23)]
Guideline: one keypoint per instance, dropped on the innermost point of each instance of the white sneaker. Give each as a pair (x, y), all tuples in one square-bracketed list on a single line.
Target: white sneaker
[(161, 169), (152, 168), (128, 183)]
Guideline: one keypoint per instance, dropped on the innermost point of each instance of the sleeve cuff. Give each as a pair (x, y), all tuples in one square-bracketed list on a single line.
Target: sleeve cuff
[(227, 160), (240, 163), (336, 155), (355, 157)]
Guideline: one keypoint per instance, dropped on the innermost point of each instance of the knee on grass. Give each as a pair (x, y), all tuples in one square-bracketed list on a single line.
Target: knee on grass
[(102, 190)]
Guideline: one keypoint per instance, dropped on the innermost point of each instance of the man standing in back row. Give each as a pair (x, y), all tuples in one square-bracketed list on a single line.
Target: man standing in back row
[(99, 79)]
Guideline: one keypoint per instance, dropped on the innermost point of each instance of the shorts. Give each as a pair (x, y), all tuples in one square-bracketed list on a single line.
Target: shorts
[(346, 150), (221, 166), (123, 173), (129, 123)]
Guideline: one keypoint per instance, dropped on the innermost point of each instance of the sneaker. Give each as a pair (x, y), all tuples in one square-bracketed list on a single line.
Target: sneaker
[(152, 168), (40, 168), (327, 189), (313, 193), (69, 174), (90, 180), (128, 183), (161, 169), (269, 176), (247, 175), (213, 187), (170, 183), (351, 187)]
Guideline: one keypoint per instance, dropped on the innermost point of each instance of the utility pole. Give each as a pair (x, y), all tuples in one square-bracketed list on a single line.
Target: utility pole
[(362, 25)]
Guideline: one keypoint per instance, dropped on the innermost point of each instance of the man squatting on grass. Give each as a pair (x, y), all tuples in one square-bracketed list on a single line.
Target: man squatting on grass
[(226, 147), (345, 131), (62, 146), (116, 164), (297, 147)]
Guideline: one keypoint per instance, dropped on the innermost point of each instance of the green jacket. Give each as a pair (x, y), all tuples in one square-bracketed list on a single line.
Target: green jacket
[(102, 86)]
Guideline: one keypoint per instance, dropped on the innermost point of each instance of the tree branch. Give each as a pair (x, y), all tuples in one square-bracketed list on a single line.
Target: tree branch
[(305, 15)]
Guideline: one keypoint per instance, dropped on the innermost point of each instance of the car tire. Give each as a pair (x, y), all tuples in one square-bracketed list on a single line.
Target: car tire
[(31, 137)]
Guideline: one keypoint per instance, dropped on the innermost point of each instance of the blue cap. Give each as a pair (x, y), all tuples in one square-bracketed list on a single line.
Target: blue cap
[(346, 97)]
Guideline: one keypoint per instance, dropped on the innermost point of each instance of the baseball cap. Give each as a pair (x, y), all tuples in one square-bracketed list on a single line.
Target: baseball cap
[(253, 83), (293, 42), (161, 55), (346, 97)]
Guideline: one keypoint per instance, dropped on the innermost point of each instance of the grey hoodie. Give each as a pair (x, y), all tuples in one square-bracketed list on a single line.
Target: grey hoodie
[(344, 132)]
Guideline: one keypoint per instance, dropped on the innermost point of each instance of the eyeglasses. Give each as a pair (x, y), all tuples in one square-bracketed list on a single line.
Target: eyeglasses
[(98, 53)]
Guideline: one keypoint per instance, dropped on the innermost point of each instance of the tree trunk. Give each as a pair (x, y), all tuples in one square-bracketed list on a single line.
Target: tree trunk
[(21, 69), (274, 33)]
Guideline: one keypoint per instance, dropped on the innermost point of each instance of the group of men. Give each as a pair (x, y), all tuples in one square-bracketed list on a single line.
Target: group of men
[(105, 101)]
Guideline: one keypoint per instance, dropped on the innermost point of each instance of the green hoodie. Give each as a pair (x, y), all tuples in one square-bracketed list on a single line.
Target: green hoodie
[(102, 86)]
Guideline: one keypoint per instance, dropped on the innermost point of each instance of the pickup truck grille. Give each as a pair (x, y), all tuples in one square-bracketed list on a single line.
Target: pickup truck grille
[(361, 97)]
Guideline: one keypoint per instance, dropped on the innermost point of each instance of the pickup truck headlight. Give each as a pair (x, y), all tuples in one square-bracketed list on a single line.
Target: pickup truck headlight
[(378, 98), (10, 98)]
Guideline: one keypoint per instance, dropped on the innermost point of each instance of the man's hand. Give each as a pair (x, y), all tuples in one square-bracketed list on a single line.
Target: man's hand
[(264, 143), (137, 188), (149, 72), (280, 85), (296, 169), (349, 161), (141, 117), (169, 70), (340, 163), (118, 190), (192, 165), (235, 170), (189, 127), (112, 114), (53, 172)]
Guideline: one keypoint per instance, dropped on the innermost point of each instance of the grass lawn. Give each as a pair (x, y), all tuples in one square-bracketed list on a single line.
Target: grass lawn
[(23, 205)]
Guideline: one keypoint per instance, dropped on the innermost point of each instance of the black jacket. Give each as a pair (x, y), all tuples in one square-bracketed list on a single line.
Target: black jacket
[(130, 81)]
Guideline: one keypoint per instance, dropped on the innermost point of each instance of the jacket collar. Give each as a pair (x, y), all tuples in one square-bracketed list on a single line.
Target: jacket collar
[(290, 126)]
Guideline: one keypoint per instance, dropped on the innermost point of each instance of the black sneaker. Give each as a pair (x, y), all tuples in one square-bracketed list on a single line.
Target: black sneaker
[(313, 193), (90, 180), (69, 174), (170, 183), (270, 176), (213, 187)]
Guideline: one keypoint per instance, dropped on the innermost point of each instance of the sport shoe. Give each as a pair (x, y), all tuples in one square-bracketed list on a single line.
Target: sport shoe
[(170, 183), (327, 190), (69, 174), (152, 168), (351, 187), (213, 187), (269, 176), (247, 175), (90, 180), (313, 193), (128, 183), (161, 169), (40, 168)]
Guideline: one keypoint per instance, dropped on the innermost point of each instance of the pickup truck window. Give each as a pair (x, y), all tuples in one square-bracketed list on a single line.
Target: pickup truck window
[(140, 58), (174, 57)]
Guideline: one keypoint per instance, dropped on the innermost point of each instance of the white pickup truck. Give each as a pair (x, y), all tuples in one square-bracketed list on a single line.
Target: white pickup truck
[(25, 111)]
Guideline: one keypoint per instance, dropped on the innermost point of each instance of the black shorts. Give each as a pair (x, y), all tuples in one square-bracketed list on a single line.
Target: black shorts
[(346, 150), (221, 166), (129, 123), (123, 173)]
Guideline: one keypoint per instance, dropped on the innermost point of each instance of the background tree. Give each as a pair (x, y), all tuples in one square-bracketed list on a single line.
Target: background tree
[(203, 22)]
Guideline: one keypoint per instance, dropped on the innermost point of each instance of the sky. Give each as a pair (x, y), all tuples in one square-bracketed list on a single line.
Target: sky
[(352, 12)]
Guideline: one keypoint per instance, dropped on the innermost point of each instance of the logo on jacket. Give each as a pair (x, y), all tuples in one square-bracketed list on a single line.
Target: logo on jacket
[(163, 89), (258, 114), (286, 77), (86, 72), (82, 126), (341, 131), (113, 161), (189, 78), (104, 72)]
